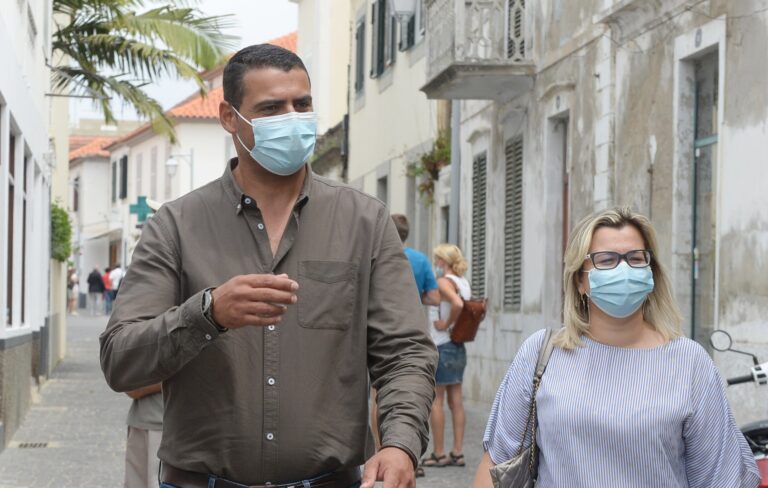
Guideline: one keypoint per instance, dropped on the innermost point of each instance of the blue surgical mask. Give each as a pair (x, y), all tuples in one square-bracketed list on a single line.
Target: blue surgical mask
[(620, 291), (439, 271), (283, 143)]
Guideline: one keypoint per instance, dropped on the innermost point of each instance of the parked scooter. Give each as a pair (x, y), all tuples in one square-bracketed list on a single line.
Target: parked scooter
[(756, 433)]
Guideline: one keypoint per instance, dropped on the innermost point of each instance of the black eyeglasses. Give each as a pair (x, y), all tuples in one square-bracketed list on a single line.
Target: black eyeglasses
[(639, 258)]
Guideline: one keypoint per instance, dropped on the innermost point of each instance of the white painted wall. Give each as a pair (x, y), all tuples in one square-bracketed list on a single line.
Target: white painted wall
[(24, 114), (209, 146)]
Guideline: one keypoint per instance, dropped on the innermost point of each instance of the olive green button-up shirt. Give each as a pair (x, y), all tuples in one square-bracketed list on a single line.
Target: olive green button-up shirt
[(287, 402)]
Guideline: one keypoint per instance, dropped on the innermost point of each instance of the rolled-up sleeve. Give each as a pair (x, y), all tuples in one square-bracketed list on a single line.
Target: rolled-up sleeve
[(151, 335), (401, 356)]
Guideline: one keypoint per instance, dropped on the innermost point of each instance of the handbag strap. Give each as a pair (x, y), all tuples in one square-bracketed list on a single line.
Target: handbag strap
[(530, 424)]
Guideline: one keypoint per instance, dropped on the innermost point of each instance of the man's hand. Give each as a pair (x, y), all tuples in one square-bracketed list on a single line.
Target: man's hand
[(440, 324), (391, 465), (253, 300), (146, 391)]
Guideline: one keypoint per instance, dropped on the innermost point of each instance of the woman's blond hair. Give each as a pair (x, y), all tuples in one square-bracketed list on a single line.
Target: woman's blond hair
[(660, 309), (452, 256)]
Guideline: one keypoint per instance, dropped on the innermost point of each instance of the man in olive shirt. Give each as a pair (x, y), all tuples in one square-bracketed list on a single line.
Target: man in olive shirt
[(264, 300)]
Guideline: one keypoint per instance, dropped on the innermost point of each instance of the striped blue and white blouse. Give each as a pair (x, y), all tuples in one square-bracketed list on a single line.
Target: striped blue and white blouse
[(617, 417)]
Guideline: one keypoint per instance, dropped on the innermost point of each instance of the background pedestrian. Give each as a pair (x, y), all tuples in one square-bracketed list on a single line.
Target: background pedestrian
[(450, 267), (107, 291), (95, 292)]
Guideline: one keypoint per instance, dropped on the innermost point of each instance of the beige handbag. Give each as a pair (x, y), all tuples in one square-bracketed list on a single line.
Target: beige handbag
[(522, 470)]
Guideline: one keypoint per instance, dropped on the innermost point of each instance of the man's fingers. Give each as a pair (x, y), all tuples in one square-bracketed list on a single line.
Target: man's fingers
[(370, 473), (263, 309), (276, 282), (269, 295)]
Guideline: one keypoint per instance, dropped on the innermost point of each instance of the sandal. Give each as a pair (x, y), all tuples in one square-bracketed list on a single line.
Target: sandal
[(420, 472), (433, 461), (457, 459)]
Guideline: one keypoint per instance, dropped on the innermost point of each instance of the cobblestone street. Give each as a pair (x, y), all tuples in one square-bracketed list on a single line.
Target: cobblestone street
[(82, 423)]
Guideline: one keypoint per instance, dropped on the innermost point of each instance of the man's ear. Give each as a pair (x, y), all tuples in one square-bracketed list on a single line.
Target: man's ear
[(227, 117)]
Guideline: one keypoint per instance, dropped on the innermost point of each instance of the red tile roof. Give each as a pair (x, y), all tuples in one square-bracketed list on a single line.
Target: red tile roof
[(201, 107), (95, 148)]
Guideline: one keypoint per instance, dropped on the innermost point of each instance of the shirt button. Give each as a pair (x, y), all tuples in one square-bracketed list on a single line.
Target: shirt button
[(271, 381), (247, 201), (260, 226), (208, 337), (270, 436), (270, 328)]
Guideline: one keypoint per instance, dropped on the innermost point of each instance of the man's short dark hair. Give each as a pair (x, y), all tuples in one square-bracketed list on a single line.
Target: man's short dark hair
[(255, 57), (401, 224)]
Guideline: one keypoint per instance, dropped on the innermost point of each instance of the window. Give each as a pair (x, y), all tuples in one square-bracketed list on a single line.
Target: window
[(139, 174), (11, 201), (360, 56), (114, 181), (153, 173), (513, 224), (76, 194), (383, 37), (24, 199), (415, 29), (123, 177), (382, 190), (516, 30), (168, 176), (479, 192), (32, 26)]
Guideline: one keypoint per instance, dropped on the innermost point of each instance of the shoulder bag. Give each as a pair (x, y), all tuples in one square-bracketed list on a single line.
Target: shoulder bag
[(469, 319), (522, 470)]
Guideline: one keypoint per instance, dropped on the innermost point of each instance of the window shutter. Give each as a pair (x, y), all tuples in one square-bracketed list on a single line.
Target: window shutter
[(408, 35), (479, 194), (360, 57), (513, 225), (375, 39), (124, 177), (113, 166), (516, 30)]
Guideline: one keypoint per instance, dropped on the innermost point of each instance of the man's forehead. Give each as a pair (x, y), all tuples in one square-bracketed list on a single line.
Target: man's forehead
[(275, 83)]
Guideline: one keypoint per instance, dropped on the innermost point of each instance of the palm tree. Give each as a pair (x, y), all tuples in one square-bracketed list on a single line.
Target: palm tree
[(115, 47)]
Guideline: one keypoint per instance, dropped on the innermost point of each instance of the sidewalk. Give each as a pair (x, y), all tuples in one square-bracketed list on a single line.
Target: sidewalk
[(78, 416), (82, 422)]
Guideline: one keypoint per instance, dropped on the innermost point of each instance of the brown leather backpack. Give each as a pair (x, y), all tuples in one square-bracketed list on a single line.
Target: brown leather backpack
[(472, 313)]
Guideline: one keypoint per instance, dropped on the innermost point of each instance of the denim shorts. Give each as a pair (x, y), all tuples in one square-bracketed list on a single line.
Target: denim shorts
[(450, 366)]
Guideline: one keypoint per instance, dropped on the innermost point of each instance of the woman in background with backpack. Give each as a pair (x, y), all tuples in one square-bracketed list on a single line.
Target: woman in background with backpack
[(450, 267)]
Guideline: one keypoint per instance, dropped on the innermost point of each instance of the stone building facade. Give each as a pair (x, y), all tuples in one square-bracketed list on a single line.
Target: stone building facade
[(569, 107)]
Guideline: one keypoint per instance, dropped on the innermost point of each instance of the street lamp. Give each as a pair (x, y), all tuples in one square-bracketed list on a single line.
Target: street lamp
[(403, 9), (173, 165)]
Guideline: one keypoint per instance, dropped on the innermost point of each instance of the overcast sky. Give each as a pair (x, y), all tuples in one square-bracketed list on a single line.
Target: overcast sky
[(257, 21)]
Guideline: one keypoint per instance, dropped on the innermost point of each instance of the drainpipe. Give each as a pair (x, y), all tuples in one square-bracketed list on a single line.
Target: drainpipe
[(453, 209)]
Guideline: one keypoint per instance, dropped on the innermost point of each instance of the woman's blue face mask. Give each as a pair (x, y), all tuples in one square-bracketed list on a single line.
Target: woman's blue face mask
[(282, 143), (620, 291)]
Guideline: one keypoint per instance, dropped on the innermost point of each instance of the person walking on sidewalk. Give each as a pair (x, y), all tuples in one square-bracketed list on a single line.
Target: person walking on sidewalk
[(107, 291), (625, 399), (116, 277), (265, 315), (73, 292), (454, 289), (95, 292), (145, 431)]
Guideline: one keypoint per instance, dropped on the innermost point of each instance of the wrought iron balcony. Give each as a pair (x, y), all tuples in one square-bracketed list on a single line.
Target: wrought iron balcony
[(477, 50)]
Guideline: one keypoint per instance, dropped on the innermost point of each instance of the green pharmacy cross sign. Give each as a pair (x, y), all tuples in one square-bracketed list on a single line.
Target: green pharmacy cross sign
[(141, 209)]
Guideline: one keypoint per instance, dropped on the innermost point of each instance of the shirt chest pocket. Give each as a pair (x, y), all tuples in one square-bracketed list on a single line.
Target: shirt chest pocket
[(326, 295)]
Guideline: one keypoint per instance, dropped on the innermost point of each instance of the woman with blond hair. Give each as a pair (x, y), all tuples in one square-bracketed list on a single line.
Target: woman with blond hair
[(450, 267), (625, 400)]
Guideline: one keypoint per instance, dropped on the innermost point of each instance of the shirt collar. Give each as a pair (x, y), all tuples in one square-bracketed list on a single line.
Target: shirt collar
[(237, 196)]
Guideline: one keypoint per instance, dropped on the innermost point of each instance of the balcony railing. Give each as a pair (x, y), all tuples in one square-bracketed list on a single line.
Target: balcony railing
[(477, 49)]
